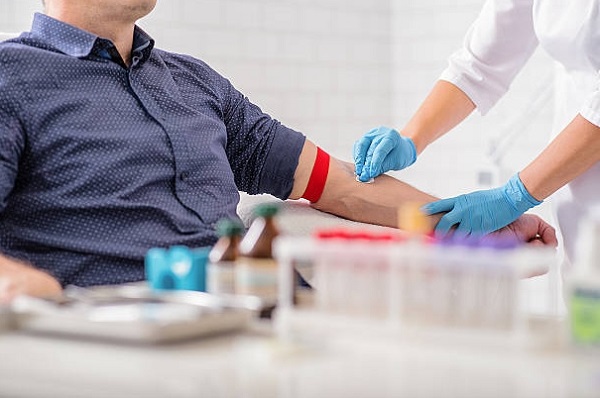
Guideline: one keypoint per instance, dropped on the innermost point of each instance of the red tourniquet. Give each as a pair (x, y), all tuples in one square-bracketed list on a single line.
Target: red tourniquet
[(318, 177)]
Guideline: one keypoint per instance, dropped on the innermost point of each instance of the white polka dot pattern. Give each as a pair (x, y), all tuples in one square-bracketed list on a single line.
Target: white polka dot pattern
[(100, 162)]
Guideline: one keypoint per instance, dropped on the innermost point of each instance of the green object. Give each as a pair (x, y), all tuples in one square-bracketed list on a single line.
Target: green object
[(585, 316), (229, 227), (266, 210)]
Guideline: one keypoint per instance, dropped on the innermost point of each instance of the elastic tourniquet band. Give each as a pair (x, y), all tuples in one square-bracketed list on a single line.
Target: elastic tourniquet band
[(318, 177)]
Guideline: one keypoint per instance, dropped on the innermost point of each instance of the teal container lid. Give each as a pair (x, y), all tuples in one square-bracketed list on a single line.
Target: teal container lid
[(229, 227), (266, 210)]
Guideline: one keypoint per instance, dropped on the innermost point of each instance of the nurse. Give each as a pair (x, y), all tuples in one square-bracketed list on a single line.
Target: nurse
[(497, 45)]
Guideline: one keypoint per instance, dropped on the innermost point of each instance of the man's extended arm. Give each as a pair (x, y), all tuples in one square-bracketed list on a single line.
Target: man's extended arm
[(378, 202)]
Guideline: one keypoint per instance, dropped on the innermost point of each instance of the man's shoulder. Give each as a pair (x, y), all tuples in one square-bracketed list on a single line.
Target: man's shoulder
[(21, 58), (184, 61), (22, 47)]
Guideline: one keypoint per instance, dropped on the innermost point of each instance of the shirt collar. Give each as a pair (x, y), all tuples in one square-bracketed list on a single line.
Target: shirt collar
[(142, 43), (79, 43)]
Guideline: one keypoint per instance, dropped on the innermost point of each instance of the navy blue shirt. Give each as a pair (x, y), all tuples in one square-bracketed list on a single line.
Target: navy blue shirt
[(100, 162)]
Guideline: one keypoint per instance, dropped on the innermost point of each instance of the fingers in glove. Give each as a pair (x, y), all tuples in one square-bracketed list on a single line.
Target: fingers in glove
[(359, 159), (381, 152), (440, 206), (360, 153), (446, 223)]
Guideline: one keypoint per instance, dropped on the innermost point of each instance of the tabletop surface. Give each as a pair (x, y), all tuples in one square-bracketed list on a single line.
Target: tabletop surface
[(255, 363)]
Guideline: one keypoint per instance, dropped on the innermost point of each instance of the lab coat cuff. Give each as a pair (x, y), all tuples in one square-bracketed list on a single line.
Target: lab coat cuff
[(469, 88), (591, 109)]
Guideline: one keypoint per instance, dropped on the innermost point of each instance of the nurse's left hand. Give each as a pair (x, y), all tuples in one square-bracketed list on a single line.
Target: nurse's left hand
[(482, 212)]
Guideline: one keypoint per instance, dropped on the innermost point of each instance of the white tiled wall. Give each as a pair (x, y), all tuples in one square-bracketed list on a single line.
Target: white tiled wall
[(16, 15), (335, 68)]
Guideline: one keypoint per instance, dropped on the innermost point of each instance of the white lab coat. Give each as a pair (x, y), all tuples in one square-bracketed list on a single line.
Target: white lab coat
[(497, 46)]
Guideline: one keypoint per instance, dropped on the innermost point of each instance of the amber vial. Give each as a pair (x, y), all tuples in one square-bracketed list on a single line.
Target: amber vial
[(256, 271), (223, 257)]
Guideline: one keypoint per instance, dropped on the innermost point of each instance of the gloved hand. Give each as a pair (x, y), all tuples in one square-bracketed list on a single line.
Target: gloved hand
[(482, 212), (380, 150)]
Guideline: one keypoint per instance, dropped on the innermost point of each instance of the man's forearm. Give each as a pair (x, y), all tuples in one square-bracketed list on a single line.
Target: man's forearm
[(374, 203)]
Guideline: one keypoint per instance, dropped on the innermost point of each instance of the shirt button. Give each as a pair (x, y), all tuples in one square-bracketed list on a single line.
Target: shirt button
[(184, 175)]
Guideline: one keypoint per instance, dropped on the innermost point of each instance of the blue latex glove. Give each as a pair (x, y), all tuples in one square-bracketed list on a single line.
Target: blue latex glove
[(482, 212), (382, 149)]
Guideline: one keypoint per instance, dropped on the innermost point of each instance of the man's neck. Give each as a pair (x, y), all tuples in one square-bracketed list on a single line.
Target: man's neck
[(117, 31)]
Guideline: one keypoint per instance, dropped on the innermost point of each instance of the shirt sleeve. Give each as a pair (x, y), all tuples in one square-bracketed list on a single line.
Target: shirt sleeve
[(495, 48), (262, 152), (591, 107)]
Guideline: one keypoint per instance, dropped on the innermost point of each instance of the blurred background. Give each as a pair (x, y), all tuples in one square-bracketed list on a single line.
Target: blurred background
[(334, 69)]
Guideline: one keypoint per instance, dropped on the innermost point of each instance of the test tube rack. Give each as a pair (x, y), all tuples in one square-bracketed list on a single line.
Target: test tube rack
[(384, 287)]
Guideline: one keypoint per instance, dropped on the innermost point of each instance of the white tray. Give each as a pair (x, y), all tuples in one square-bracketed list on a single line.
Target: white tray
[(133, 314)]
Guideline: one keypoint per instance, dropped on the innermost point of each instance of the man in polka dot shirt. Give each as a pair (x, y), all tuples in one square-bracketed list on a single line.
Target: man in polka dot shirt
[(110, 146)]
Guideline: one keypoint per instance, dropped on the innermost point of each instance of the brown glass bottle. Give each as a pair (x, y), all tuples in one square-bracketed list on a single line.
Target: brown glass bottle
[(223, 257), (256, 271)]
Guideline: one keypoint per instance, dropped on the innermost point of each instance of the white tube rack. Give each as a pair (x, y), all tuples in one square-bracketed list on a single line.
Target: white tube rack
[(410, 290)]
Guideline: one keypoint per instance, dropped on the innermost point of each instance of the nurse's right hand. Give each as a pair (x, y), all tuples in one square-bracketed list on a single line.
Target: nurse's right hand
[(382, 149)]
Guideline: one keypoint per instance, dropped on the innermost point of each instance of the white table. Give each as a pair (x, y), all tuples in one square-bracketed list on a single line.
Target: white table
[(255, 364)]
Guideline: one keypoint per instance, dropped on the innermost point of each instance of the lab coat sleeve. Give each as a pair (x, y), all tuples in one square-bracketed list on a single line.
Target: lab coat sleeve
[(495, 48), (591, 108)]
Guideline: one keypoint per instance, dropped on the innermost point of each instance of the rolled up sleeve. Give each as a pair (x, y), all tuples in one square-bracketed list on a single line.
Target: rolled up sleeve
[(495, 48), (591, 107), (263, 153)]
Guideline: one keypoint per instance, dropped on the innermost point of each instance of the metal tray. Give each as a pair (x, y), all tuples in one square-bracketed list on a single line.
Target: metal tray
[(6, 318), (134, 313)]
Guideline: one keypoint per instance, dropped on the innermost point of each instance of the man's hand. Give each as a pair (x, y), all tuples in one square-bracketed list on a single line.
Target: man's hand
[(18, 278), (531, 229)]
